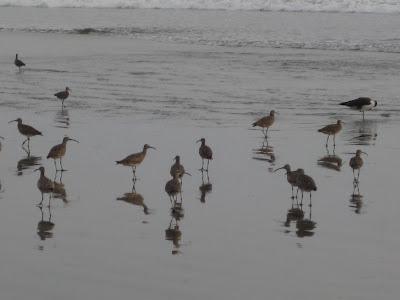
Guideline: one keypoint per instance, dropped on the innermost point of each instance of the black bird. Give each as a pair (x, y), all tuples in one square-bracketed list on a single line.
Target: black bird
[(362, 104), (63, 95), (18, 63)]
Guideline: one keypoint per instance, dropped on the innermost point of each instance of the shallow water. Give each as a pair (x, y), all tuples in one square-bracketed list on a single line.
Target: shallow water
[(236, 241)]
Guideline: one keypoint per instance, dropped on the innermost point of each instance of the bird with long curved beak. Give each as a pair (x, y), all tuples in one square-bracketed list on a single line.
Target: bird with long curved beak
[(26, 130), (291, 176), (58, 151), (135, 159), (205, 153), (177, 167), (356, 162)]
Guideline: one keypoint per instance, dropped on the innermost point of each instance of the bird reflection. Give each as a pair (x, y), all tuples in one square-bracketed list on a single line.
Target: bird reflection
[(362, 132), (1, 189), (59, 189), (305, 226), (1, 138), (331, 161), (265, 153), (134, 198), (294, 213), (27, 162), (62, 118), (173, 233), (356, 199), (45, 227), (205, 187)]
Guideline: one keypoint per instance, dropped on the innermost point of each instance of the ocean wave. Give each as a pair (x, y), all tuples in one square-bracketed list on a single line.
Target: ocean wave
[(363, 6), (191, 36)]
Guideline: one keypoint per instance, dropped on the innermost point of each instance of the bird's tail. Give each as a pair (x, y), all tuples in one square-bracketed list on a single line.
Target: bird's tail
[(344, 103), (118, 162), (254, 124), (315, 188)]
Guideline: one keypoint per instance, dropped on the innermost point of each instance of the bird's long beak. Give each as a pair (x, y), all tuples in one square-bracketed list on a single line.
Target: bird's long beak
[(73, 140), (364, 153), (278, 169), (13, 121), (188, 174), (198, 141), (152, 147), (36, 170)]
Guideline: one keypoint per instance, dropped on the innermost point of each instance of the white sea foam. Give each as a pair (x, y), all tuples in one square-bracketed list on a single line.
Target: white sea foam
[(371, 6)]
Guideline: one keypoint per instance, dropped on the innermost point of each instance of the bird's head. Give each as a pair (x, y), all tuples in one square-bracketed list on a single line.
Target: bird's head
[(202, 140), (66, 139), (147, 146)]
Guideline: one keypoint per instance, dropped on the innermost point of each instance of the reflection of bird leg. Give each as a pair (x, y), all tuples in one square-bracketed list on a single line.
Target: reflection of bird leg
[(133, 187), (27, 151)]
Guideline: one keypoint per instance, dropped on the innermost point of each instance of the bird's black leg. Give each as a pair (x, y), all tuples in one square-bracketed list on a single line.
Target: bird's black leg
[(327, 139), (310, 201), (208, 162), (55, 165)]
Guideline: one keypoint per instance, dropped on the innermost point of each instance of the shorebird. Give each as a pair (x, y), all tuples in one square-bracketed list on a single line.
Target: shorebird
[(44, 184), (19, 63), (173, 187), (58, 151), (331, 129), (356, 162), (265, 122), (134, 159), (63, 95), (291, 176), (177, 167), (306, 184), (205, 153), (26, 130), (362, 104)]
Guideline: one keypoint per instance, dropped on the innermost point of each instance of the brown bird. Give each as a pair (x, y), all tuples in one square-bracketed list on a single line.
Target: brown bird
[(44, 184), (173, 187), (265, 122), (331, 129), (177, 167), (58, 151), (306, 184), (205, 153), (134, 159), (135, 199), (356, 163), (19, 63), (26, 130), (63, 95), (291, 176)]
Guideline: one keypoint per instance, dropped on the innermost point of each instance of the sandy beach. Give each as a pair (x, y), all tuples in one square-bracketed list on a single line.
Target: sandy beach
[(236, 239)]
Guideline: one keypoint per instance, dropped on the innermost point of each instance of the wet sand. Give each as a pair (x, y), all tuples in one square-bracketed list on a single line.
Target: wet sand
[(235, 241)]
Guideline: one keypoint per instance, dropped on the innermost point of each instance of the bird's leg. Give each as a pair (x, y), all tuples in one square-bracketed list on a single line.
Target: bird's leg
[(358, 175), (334, 141), (40, 203), (310, 201), (292, 193), (208, 162), (62, 169), (327, 139), (202, 165), (134, 173), (55, 165), (23, 143)]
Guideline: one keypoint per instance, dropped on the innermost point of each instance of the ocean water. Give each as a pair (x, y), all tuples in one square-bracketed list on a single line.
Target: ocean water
[(168, 77)]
